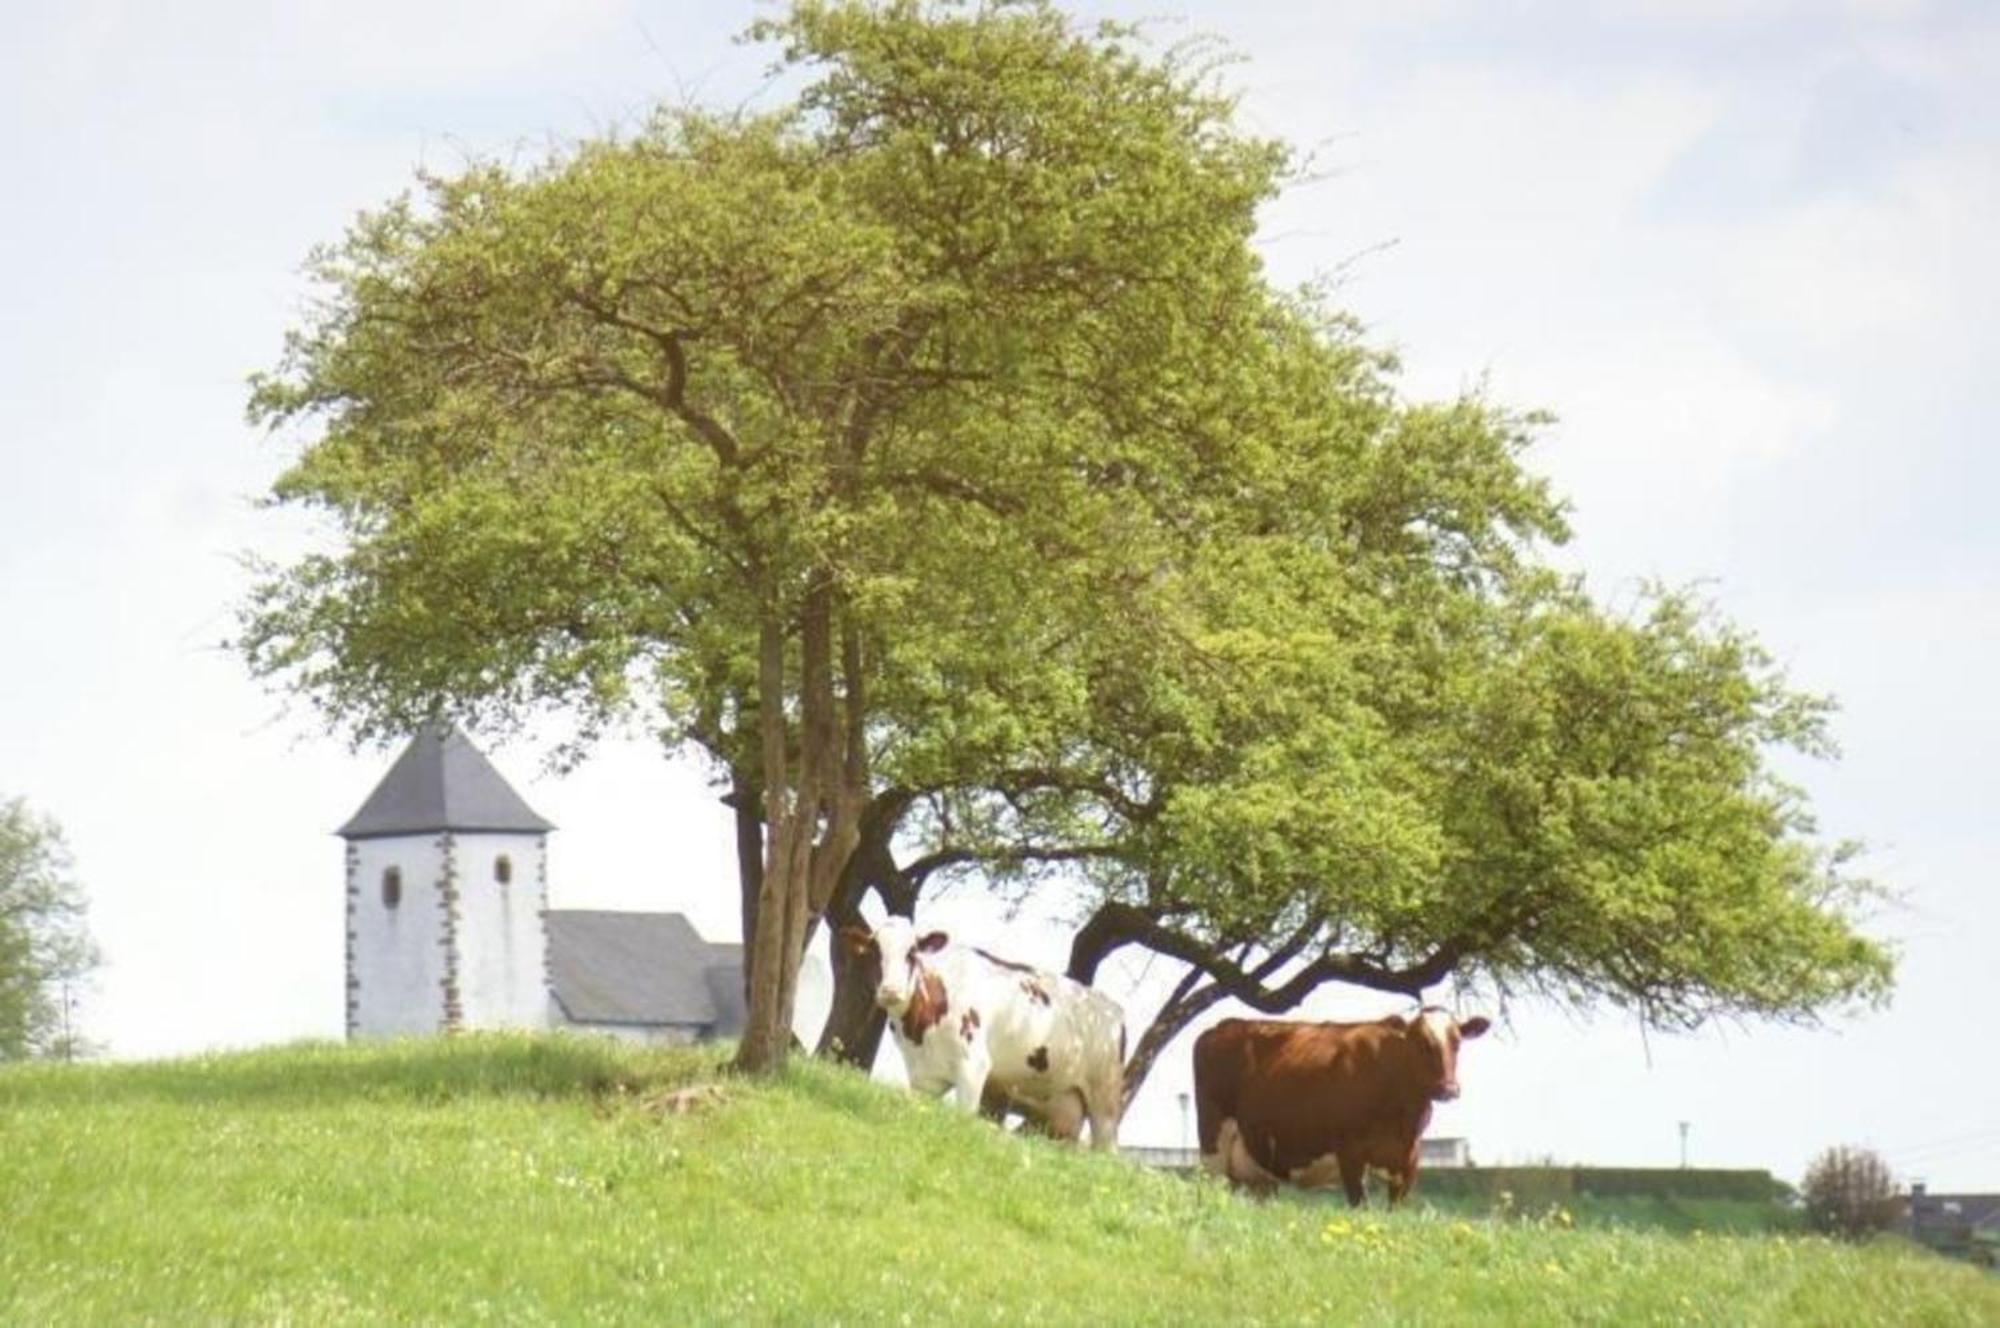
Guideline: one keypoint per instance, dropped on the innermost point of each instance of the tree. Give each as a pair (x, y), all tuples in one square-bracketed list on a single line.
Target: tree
[(787, 490), (1849, 1192), (981, 508), (1579, 806), (45, 951)]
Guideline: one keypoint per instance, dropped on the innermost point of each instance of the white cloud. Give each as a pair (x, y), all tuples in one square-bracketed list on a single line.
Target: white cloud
[(1489, 171), (356, 45), (1660, 420), (1878, 273), (443, 43)]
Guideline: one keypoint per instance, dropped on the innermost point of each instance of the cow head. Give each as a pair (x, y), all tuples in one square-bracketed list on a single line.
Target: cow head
[(1437, 1035), (897, 951)]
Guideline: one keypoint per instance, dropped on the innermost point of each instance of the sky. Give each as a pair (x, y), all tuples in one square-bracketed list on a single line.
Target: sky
[(1742, 251)]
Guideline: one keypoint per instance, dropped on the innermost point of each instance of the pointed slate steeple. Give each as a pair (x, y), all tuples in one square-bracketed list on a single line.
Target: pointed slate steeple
[(442, 782)]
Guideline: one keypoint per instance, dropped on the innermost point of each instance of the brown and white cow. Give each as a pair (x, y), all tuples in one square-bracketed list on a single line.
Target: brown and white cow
[(1308, 1102), (977, 1026)]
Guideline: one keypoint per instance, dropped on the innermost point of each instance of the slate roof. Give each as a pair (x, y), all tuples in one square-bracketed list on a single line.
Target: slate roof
[(1955, 1210), (643, 968), (441, 782)]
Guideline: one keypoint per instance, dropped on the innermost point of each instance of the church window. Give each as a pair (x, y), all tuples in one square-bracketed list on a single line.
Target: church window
[(392, 887), (503, 869)]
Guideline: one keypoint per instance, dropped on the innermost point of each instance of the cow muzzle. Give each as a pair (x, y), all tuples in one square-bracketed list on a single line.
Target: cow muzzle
[(1446, 1093)]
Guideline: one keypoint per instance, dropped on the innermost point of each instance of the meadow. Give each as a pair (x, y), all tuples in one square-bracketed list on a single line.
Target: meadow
[(559, 1179)]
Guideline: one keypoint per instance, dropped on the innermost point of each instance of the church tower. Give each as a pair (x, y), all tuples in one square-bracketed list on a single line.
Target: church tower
[(447, 892)]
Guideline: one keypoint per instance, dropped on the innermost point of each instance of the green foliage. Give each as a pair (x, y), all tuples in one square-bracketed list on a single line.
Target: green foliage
[(580, 426), (45, 950), (1519, 788), (1532, 1187), (1615, 829), (1134, 562), (533, 1180)]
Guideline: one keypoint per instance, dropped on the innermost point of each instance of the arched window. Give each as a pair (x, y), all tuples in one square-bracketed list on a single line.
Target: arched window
[(392, 887), (503, 869)]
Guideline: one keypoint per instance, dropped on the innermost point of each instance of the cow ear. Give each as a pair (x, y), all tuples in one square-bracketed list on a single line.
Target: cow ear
[(1474, 1026), (1395, 1021), (930, 941), (858, 940)]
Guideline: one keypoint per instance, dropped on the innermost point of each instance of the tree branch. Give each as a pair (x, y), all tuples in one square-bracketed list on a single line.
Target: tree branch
[(1117, 924)]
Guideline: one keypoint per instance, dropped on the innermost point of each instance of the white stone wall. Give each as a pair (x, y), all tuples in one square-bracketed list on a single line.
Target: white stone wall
[(397, 955), (502, 938)]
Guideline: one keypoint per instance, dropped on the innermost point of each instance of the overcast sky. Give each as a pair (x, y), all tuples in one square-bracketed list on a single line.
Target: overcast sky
[(1744, 250)]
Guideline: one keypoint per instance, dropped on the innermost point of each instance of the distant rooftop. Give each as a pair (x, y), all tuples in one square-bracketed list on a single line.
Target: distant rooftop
[(442, 782), (643, 968)]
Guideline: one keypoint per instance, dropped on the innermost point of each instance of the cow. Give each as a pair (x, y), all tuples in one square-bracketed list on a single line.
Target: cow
[(996, 1033), (1280, 1101)]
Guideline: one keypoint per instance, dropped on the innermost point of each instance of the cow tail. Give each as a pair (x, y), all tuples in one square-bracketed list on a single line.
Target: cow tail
[(1209, 1109)]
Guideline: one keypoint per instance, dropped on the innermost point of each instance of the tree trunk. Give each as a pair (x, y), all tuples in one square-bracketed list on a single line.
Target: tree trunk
[(1180, 1010), (816, 724), (744, 798), (767, 1031), (1102, 934), (827, 784), (854, 1023)]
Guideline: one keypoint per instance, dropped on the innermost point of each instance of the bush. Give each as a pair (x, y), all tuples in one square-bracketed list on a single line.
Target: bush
[(1537, 1186), (1850, 1192)]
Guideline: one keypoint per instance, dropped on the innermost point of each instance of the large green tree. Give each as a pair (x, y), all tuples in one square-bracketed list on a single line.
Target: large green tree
[(806, 436), (932, 454), (45, 949)]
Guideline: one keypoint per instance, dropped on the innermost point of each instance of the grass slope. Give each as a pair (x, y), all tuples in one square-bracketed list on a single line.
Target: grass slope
[(520, 1180)]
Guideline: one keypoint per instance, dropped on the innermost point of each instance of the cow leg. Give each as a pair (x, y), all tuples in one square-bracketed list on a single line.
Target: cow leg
[(969, 1080), (1354, 1179), (1103, 1125), (994, 1104), (1215, 1161), (1404, 1177), (1233, 1162), (1104, 1098)]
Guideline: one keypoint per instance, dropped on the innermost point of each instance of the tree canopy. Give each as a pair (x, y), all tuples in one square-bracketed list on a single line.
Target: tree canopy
[(45, 949), (932, 452)]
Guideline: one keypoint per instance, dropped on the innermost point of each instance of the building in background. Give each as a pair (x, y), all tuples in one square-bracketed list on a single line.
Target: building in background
[(1966, 1226), (448, 923)]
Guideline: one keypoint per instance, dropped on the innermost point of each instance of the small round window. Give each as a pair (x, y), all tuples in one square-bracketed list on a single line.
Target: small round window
[(503, 869), (392, 887)]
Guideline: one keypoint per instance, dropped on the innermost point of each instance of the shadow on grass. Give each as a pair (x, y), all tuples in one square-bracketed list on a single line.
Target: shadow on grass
[(845, 1089), (422, 1070)]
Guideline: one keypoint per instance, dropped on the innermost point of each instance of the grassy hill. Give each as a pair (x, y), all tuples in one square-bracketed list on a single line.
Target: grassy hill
[(519, 1180)]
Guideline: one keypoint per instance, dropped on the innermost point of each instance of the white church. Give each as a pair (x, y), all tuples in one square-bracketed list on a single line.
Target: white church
[(448, 923)]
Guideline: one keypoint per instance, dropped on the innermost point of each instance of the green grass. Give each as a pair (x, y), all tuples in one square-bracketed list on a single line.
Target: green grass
[(520, 1180), (1663, 1213)]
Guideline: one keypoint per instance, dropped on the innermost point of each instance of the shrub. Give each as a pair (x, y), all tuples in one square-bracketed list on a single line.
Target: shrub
[(1850, 1192)]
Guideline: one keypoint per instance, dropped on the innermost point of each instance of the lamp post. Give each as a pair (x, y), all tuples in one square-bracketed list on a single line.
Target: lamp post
[(1184, 1121)]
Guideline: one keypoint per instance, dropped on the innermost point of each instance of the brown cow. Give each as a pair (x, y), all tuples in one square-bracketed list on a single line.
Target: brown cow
[(1278, 1101)]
